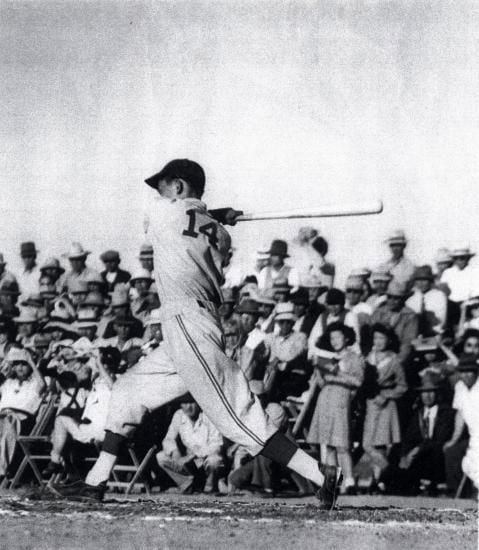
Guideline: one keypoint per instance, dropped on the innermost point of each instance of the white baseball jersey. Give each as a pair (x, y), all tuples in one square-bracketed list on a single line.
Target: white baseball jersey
[(190, 249)]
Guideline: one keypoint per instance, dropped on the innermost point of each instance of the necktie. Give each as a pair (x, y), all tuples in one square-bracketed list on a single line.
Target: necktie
[(427, 424)]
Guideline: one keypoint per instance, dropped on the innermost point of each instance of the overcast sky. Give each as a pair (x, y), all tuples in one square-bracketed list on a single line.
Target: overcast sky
[(285, 104)]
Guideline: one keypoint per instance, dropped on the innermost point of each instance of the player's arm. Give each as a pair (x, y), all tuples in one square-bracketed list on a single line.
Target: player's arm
[(225, 216)]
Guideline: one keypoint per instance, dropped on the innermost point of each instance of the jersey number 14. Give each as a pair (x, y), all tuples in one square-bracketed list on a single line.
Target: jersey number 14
[(209, 229)]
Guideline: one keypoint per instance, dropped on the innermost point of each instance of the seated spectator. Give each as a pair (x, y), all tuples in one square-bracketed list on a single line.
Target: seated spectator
[(399, 265), (252, 351), (90, 427), (27, 325), (113, 275), (342, 374), (261, 473), (430, 427), (395, 314), (429, 303), (146, 258), (7, 336), (286, 371), (277, 268), (86, 324), (20, 398), (362, 310), (140, 283), (198, 466), (381, 424), (266, 305), (232, 333), (9, 293), (469, 316), (466, 398), (227, 307), (77, 292), (306, 313), (120, 306), (380, 279), (335, 312), (153, 334), (52, 269), (281, 290), (123, 339)]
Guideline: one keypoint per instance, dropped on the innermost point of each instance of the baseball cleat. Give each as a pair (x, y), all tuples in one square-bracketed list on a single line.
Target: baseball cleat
[(329, 490), (79, 491)]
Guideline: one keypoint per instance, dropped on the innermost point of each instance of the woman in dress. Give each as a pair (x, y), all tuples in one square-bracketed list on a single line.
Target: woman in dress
[(340, 373), (381, 424)]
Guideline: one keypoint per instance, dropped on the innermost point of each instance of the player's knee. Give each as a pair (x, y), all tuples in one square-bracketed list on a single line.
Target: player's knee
[(213, 462), (162, 458)]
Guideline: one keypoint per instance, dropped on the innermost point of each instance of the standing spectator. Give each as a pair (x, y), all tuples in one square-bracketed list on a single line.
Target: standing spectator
[(277, 268), (203, 447), (113, 275), (461, 281), (261, 260), (429, 303), (396, 315), (442, 260), (335, 312), (327, 271), (306, 313), (466, 399), (399, 265), (29, 277), (146, 257), (4, 274), (20, 399), (380, 279), (381, 424), (342, 376), (79, 270)]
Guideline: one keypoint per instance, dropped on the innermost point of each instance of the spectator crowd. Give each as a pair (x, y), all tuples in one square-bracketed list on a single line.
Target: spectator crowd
[(379, 377)]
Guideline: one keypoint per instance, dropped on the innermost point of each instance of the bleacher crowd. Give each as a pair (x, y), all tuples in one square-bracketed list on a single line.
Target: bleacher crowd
[(379, 376)]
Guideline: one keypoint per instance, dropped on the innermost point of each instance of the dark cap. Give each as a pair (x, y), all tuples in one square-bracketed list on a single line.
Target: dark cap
[(248, 306), (110, 256), (185, 169), (335, 297), (424, 272), (28, 249)]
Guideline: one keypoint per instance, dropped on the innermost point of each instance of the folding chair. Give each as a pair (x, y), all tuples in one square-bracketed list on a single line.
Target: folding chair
[(38, 438), (299, 414), (139, 478)]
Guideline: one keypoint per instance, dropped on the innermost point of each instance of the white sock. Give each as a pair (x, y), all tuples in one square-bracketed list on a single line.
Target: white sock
[(306, 466), (102, 469)]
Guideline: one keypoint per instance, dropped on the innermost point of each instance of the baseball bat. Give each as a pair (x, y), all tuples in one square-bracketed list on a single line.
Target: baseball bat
[(326, 211)]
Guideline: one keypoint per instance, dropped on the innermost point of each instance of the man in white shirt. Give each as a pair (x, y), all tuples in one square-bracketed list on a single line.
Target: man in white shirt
[(428, 302), (203, 446), (466, 403), (29, 278), (399, 265), (277, 268), (79, 270)]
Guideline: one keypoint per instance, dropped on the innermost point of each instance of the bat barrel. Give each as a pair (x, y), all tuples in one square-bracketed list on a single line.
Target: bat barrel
[(331, 211)]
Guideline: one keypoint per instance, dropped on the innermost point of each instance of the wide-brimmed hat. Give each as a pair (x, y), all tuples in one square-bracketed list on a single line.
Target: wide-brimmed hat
[(110, 256), (381, 273), (154, 318), (18, 355), (311, 281), (141, 274), (28, 249), (285, 312), (430, 381), (27, 315), (443, 256), (300, 297), (262, 255), (468, 363), (77, 286), (47, 290), (424, 272), (462, 252), (397, 237), (56, 324), (335, 297), (425, 345), (279, 248), (52, 263), (265, 297), (362, 272), (248, 289), (354, 283), (248, 306), (76, 251), (146, 251), (398, 289), (93, 299), (85, 319), (33, 300), (10, 288)]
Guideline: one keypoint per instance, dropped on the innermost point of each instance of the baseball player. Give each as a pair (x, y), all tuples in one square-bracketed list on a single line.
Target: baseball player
[(190, 246)]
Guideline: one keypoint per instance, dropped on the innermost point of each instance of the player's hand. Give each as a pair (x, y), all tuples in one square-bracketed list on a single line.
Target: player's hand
[(226, 216)]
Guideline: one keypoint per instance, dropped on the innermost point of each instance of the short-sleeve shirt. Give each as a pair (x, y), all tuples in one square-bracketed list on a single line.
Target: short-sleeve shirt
[(190, 249), (25, 396)]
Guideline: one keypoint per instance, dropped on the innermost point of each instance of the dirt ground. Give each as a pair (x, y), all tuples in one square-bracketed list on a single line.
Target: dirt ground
[(201, 522)]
